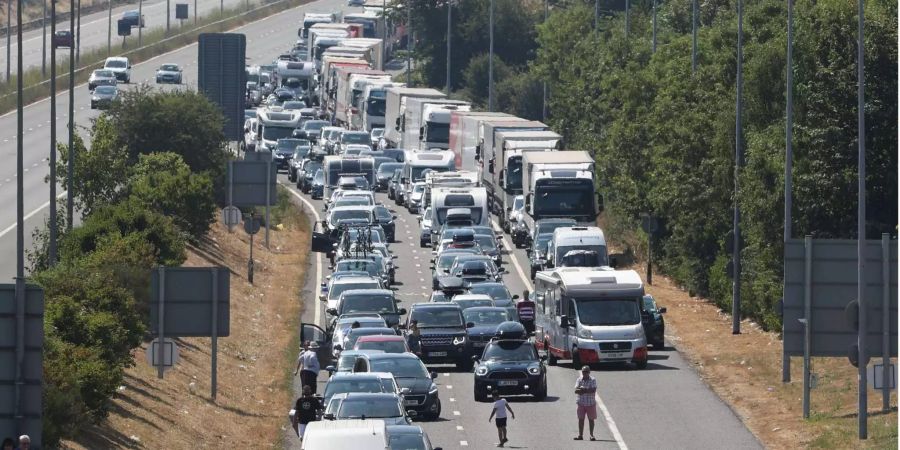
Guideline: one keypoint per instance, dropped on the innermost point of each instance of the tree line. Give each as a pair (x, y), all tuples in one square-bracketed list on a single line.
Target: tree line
[(664, 135)]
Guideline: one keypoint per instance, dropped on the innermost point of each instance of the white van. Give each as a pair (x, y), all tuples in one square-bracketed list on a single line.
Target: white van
[(346, 435), (584, 244), (590, 315)]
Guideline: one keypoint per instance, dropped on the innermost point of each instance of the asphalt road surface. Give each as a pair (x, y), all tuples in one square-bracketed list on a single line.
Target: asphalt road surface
[(665, 406), (94, 30), (266, 39)]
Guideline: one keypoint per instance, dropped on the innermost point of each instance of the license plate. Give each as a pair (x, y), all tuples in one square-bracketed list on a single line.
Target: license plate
[(437, 353), (478, 344), (614, 355), (507, 383), (410, 402)]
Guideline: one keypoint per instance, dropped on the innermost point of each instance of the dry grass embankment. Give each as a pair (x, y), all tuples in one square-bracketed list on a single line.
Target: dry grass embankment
[(254, 390)]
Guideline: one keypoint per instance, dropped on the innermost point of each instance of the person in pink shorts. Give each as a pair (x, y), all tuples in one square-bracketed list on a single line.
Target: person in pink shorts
[(585, 389)]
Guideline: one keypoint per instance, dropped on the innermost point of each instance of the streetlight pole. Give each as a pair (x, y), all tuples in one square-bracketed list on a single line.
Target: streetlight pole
[(52, 255), (627, 18), (654, 27), (862, 339), (788, 157), (109, 29), (70, 168), (408, 41), (738, 161), (141, 20), (20, 235), (8, 37), (44, 41), (78, 36), (449, 16), (694, 8), (544, 108), (491, 61)]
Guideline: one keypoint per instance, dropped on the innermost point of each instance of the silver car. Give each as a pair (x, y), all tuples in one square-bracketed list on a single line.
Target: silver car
[(168, 73), (103, 96), (425, 222), (101, 77)]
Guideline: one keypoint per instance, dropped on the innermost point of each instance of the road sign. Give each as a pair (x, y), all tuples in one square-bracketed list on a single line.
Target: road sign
[(32, 369), (252, 183), (875, 376), (188, 301), (181, 11), (231, 216), (168, 353), (222, 77), (251, 225)]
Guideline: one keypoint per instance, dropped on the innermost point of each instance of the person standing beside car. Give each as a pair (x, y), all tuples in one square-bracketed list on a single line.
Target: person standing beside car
[(308, 366), (414, 338)]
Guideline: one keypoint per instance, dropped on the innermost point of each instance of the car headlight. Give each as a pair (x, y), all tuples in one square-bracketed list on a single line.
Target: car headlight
[(534, 370), (481, 371), (585, 333), (461, 340), (433, 389)]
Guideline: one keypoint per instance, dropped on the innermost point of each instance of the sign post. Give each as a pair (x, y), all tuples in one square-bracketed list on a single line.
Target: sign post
[(251, 227)]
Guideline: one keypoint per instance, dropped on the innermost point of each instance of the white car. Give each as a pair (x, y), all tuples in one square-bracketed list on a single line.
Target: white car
[(120, 66), (101, 77), (168, 73)]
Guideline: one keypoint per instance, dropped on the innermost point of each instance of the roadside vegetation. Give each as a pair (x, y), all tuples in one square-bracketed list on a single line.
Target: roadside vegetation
[(664, 137), (143, 195)]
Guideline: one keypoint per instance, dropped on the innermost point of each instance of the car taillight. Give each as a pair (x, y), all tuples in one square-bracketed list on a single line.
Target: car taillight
[(640, 354)]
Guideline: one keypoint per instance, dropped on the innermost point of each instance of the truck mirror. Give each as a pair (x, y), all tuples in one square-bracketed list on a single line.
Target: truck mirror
[(528, 201), (599, 203), (491, 166)]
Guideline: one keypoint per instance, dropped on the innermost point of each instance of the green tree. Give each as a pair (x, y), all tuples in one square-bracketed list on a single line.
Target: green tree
[(476, 77), (162, 182)]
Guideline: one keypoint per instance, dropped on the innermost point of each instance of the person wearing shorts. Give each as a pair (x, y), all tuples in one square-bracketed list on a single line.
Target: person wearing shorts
[(585, 389), (499, 409)]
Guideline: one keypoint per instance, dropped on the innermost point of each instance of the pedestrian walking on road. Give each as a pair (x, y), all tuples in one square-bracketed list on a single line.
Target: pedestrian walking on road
[(306, 410), (499, 409), (585, 389), (308, 366), (414, 338)]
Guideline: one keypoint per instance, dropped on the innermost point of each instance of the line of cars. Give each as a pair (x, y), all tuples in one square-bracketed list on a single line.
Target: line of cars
[(103, 83)]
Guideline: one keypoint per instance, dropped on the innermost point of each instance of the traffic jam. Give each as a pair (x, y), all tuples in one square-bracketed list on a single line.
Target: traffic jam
[(405, 183)]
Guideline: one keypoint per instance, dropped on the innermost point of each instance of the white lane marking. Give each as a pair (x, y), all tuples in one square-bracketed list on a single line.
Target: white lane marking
[(463, 443), (29, 215), (452, 399), (446, 374), (611, 424), (512, 256), (318, 316), (459, 428), (456, 413), (449, 386)]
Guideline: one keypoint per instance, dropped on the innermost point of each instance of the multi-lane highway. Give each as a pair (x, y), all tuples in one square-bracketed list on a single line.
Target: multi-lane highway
[(94, 29), (265, 40), (665, 406)]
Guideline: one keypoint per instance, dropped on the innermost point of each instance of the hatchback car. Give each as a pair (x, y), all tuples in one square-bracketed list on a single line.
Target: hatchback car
[(103, 96), (386, 407), (654, 322), (387, 344), (169, 73), (511, 367), (101, 77), (420, 393)]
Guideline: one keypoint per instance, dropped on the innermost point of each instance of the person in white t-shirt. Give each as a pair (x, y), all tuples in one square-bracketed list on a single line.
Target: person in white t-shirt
[(500, 408)]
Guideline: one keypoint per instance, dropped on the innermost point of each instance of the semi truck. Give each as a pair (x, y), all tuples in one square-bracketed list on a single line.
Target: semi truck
[(330, 64), (559, 185), (507, 148), (374, 48), (371, 105), (310, 19), (344, 94), (492, 159), (372, 25), (464, 138), (394, 109), (425, 128)]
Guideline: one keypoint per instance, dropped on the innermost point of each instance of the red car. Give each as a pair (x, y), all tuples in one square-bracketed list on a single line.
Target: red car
[(387, 344)]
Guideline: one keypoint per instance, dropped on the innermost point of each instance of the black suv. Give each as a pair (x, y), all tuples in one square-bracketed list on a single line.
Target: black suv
[(444, 334), (510, 365), (416, 383)]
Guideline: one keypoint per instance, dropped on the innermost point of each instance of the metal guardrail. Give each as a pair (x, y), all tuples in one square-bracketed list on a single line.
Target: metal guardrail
[(80, 70), (62, 17)]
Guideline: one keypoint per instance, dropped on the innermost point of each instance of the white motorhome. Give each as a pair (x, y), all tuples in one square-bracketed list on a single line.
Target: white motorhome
[(273, 124), (458, 179), (444, 199), (303, 72), (590, 315)]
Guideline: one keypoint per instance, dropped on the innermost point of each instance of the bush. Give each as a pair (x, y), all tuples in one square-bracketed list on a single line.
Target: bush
[(162, 182), (127, 219)]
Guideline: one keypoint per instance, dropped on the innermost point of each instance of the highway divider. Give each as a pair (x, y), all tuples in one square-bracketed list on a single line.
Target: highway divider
[(155, 43)]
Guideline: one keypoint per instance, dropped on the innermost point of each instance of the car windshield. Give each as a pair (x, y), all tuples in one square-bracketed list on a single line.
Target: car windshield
[(353, 233), (486, 242), (446, 261), (319, 177), (387, 169), (377, 132), (273, 133), (599, 252), (344, 386), (365, 266), (353, 201), (169, 67), (437, 317), (364, 322), (599, 312), (407, 442), (380, 303), (292, 105), (485, 316), (346, 362), (496, 291), (312, 167), (103, 73), (289, 144), (355, 138), (542, 240), (649, 304), (400, 367), (471, 303), (354, 335), (339, 288), (116, 63), (370, 408), (301, 151), (346, 214), (518, 203), (314, 125), (501, 351), (385, 346), (106, 90), (382, 214)]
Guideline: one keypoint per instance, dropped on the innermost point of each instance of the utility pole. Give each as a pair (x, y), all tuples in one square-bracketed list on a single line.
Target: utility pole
[(78, 36), (596, 14), (168, 15), (52, 255), (109, 29), (449, 15), (384, 46), (862, 339), (788, 158), (44, 41), (544, 108), (70, 169), (8, 37), (738, 162), (654, 27), (491, 61), (627, 18), (694, 8), (141, 19), (20, 234), (408, 42)]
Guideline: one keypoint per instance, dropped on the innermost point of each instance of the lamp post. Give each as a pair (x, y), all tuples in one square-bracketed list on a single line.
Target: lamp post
[(738, 162), (449, 19), (491, 61)]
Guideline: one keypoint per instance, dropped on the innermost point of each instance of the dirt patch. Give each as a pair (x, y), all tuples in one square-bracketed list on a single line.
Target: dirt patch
[(745, 371), (254, 391)]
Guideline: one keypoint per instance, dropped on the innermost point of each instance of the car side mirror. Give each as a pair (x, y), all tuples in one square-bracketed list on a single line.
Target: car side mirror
[(332, 311), (476, 358), (515, 297), (328, 416), (411, 413), (330, 369), (433, 375), (404, 391), (470, 324), (613, 262), (322, 297), (662, 310), (402, 311)]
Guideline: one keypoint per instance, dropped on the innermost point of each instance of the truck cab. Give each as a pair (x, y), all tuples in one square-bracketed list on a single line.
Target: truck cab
[(435, 129), (577, 246)]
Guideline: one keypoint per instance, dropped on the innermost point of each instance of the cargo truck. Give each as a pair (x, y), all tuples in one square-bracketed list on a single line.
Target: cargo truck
[(394, 109), (310, 19), (419, 123), (330, 64), (344, 92), (463, 140), (374, 47), (492, 159), (559, 185), (371, 105)]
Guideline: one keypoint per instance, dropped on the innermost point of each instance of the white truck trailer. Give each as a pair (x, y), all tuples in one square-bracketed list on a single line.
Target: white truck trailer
[(559, 185), (421, 122), (394, 109), (463, 137)]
